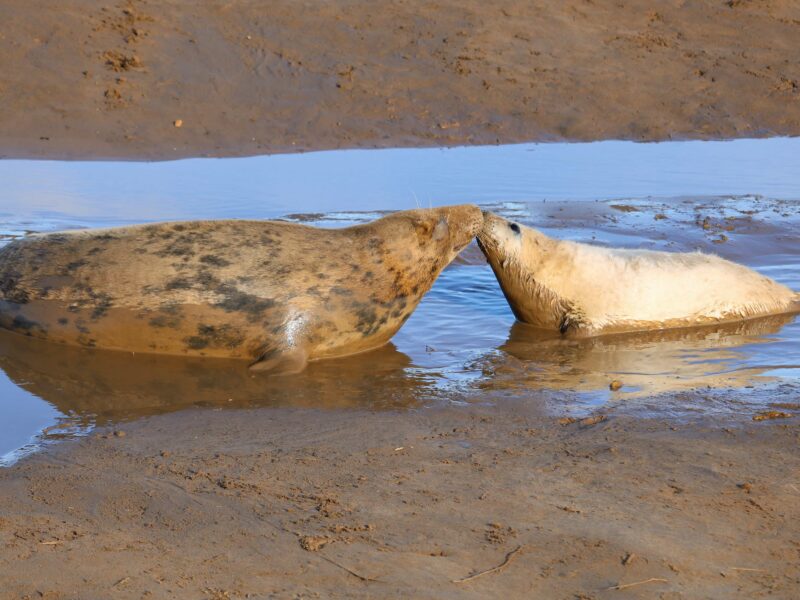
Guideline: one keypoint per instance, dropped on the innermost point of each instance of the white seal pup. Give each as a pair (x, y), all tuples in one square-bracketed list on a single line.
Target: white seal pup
[(274, 293), (585, 290)]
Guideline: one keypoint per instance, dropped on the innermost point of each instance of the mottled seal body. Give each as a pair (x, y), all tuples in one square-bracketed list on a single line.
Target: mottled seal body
[(588, 290), (275, 293)]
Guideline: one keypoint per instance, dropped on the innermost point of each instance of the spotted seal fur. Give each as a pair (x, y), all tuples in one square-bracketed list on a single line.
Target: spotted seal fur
[(586, 290), (275, 293)]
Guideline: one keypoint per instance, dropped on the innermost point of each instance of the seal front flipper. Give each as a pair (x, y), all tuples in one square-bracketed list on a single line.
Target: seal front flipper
[(571, 321), (282, 361)]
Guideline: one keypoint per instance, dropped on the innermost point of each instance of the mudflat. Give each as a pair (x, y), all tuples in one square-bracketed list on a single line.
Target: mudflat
[(453, 502), (173, 79)]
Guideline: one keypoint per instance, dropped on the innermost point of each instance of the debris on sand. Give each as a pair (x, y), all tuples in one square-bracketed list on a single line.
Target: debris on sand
[(113, 98), (615, 385), (497, 533), (312, 543), (117, 61), (629, 585), (178, 123), (772, 414), (586, 422), (509, 557)]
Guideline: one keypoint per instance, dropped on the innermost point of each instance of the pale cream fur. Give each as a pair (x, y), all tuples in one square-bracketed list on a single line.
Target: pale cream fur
[(591, 290)]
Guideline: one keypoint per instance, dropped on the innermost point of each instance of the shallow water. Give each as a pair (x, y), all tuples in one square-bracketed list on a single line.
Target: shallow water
[(462, 344)]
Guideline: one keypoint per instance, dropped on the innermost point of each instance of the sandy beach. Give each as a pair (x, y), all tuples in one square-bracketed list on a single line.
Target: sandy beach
[(114, 80), (362, 504), (354, 482)]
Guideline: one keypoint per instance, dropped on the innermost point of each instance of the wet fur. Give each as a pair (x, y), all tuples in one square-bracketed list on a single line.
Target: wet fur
[(586, 290), (273, 292)]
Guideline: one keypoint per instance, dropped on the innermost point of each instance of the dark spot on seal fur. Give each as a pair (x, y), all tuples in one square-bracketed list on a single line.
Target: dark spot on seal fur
[(176, 249), (76, 264), (25, 324), (104, 302), (196, 342), (178, 283), (367, 320), (63, 321), (163, 321), (223, 336), (236, 300), (10, 290), (216, 261)]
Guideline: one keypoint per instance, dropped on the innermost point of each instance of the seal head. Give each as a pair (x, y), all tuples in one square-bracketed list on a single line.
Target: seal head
[(519, 257)]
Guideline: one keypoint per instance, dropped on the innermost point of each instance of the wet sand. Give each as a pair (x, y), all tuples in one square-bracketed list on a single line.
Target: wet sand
[(358, 504), (97, 79)]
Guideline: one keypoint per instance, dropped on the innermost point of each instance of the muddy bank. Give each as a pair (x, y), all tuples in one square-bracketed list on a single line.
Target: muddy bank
[(288, 503), (172, 79)]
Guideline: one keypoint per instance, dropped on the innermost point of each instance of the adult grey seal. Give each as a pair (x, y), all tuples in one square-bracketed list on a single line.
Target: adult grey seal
[(587, 290), (275, 293)]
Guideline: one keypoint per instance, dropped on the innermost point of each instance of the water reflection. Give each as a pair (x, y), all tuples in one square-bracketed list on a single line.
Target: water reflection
[(96, 387), (719, 356)]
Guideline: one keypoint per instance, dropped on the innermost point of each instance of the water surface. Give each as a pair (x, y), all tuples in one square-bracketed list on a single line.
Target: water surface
[(738, 199)]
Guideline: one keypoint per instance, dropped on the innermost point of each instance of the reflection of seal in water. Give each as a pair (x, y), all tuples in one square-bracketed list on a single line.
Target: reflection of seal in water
[(93, 386), (588, 290), (720, 355), (276, 293)]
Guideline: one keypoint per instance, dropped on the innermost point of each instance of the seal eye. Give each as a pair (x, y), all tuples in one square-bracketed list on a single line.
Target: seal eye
[(514, 227)]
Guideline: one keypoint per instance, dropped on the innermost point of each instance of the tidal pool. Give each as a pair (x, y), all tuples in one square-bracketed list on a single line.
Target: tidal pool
[(739, 199)]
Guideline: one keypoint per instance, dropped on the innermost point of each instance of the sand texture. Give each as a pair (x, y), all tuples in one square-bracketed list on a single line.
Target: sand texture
[(355, 504), (172, 79)]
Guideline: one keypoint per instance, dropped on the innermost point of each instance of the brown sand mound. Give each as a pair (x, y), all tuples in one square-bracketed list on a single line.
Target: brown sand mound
[(174, 78)]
